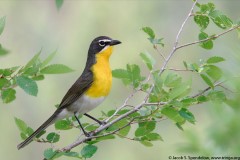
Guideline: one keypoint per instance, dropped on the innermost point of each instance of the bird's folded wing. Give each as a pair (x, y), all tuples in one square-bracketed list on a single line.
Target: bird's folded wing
[(77, 89)]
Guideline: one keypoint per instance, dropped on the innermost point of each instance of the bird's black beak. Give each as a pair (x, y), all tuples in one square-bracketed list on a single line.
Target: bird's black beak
[(114, 42)]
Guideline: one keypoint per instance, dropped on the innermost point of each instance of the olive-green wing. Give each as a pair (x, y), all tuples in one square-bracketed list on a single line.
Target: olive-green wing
[(77, 89)]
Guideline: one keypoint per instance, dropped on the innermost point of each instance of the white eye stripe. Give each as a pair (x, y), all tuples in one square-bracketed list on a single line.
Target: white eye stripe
[(103, 42)]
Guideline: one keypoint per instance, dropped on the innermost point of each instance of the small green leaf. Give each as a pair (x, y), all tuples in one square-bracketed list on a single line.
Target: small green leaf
[(202, 21), (215, 59), (4, 82), (38, 78), (214, 72), (179, 91), (2, 24), (8, 95), (33, 61), (187, 115), (217, 96), (63, 125), (28, 85), (149, 31), (59, 3), (220, 19), (145, 128), (185, 65), (148, 60), (49, 153), (172, 113), (134, 74), (207, 80), (146, 143), (72, 154), (206, 8), (172, 80), (88, 151), (155, 41), (22, 126), (202, 99), (56, 69), (48, 59), (207, 44), (53, 137), (153, 137), (120, 73)]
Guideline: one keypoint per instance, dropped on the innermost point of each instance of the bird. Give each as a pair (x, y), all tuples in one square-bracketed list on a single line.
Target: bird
[(88, 91)]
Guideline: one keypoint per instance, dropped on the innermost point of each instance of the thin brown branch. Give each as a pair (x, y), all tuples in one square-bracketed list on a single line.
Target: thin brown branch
[(206, 89), (159, 52), (209, 38), (180, 70)]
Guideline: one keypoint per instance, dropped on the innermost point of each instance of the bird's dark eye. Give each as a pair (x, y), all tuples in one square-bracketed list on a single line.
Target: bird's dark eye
[(101, 43)]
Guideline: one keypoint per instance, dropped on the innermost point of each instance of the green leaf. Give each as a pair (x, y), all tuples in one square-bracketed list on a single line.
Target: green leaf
[(8, 95), (148, 60), (134, 74), (33, 61), (88, 151), (31, 70), (202, 99), (53, 137), (214, 72), (38, 78), (172, 113), (4, 82), (172, 80), (179, 91), (56, 69), (149, 31), (220, 19), (72, 154), (63, 125), (215, 59), (187, 115), (146, 143), (217, 96), (125, 131), (120, 73), (49, 153), (59, 3), (28, 85), (207, 80), (155, 41), (185, 65), (154, 137), (206, 8), (207, 44), (2, 24), (145, 128), (202, 21), (48, 59), (22, 126), (3, 51)]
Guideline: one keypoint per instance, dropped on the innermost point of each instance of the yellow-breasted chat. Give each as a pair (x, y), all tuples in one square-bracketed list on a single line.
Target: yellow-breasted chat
[(89, 90)]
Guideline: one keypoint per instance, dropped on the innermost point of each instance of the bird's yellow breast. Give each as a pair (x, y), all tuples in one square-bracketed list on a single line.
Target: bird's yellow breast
[(102, 75)]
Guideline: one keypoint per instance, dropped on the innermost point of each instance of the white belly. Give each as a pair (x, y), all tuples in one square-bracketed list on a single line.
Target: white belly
[(83, 105)]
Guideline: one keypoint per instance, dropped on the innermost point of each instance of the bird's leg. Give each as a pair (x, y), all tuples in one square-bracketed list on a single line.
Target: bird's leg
[(85, 133), (98, 121)]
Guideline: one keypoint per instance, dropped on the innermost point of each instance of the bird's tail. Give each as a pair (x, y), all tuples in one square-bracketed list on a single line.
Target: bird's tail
[(50, 121)]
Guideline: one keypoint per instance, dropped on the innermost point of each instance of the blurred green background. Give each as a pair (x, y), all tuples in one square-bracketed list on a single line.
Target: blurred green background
[(32, 25)]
